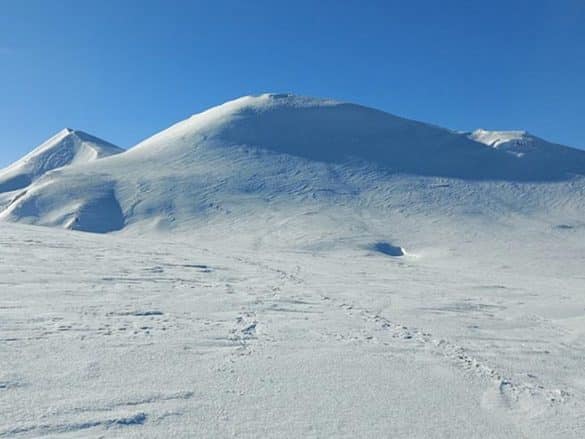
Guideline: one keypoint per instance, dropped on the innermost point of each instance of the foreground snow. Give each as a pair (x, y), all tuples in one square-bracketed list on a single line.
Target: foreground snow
[(216, 334)]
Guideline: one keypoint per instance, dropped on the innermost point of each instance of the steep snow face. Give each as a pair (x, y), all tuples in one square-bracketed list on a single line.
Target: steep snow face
[(285, 152), (68, 147)]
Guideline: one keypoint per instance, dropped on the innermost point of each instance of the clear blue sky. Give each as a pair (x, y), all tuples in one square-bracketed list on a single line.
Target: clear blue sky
[(124, 69)]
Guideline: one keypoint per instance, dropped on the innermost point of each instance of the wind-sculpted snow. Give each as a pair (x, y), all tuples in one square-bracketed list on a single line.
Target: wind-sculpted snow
[(262, 152)]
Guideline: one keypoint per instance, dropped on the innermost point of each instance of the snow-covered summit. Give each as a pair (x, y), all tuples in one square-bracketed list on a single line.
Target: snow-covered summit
[(326, 130), (498, 138), (518, 143), (524, 145), (67, 147), (257, 151)]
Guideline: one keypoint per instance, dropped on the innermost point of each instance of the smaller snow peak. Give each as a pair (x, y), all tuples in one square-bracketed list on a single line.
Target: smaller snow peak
[(67, 147), (65, 132), (74, 140), (58, 136), (497, 138), (65, 135), (80, 135), (83, 136)]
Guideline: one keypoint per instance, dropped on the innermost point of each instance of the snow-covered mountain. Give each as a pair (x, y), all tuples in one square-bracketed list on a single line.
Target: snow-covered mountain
[(259, 152), (67, 147), (334, 132), (333, 271)]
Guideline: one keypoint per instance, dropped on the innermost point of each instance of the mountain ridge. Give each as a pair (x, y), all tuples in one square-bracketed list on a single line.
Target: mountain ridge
[(294, 125), (260, 152)]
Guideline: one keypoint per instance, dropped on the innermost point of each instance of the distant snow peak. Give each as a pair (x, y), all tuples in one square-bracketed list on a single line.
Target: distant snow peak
[(67, 147), (517, 142), (498, 138)]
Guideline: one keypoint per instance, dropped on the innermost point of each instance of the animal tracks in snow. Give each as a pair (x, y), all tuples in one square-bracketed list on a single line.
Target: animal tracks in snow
[(502, 390)]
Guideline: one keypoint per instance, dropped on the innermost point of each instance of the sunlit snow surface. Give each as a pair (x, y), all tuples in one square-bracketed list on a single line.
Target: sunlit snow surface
[(67, 147), (283, 266), (211, 336)]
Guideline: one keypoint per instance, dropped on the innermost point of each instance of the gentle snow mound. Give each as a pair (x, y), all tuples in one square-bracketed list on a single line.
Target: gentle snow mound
[(331, 131)]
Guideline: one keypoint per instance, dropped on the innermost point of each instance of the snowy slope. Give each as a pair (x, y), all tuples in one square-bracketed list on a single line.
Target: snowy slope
[(478, 332), (67, 147), (333, 271), (261, 152)]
